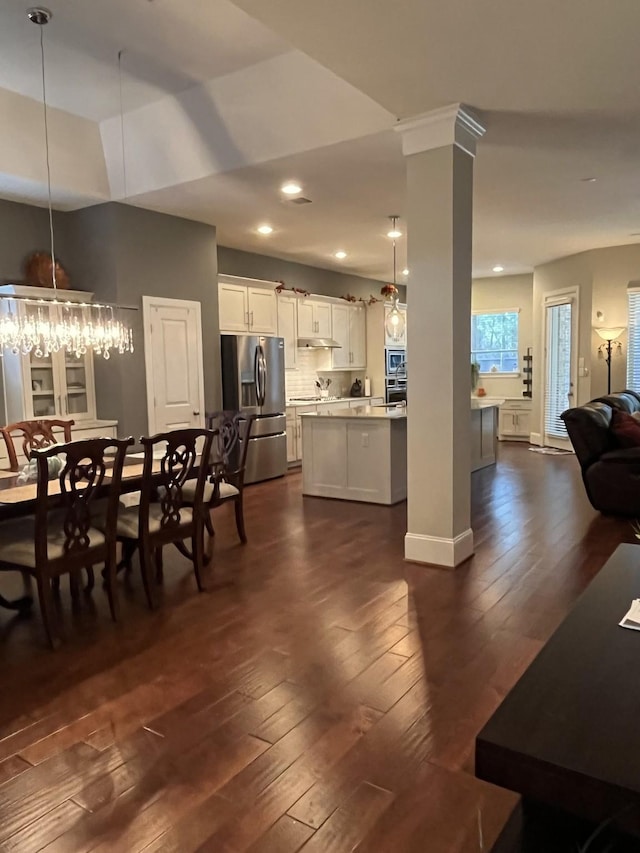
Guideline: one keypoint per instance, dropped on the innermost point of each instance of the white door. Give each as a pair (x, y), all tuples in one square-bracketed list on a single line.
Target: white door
[(340, 358), (173, 359), (263, 311), (358, 335), (287, 329), (322, 317), (306, 320), (560, 368), (233, 308)]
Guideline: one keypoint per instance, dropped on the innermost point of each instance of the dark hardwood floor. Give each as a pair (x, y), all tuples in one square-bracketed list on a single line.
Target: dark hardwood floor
[(322, 695)]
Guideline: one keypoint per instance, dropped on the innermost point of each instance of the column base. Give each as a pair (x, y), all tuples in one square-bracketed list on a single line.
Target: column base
[(437, 551)]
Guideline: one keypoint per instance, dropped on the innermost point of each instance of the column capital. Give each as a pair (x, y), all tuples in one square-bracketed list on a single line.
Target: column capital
[(455, 124)]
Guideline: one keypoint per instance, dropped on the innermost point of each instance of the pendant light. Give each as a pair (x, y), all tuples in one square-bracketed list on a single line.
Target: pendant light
[(45, 325), (395, 320)]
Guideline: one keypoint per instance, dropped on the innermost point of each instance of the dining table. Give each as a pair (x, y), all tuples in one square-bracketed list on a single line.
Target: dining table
[(18, 499)]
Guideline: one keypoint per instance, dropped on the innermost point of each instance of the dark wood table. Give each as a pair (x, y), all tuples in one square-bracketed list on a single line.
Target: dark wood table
[(568, 733)]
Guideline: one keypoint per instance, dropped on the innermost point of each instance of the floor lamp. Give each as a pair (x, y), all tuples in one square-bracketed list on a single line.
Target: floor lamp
[(609, 336)]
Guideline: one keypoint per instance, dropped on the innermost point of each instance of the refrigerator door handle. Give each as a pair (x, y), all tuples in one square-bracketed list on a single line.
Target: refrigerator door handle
[(263, 362), (260, 375)]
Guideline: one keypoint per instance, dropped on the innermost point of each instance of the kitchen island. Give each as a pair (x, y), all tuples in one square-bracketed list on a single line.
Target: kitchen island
[(360, 454)]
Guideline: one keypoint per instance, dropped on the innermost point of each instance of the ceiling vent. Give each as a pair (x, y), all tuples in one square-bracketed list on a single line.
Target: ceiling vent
[(300, 200)]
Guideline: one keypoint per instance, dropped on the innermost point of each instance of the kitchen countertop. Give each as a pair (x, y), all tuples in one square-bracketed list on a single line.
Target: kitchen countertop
[(324, 402), (386, 413), (483, 403)]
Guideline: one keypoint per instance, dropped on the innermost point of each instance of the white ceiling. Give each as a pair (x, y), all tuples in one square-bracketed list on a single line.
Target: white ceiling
[(556, 83), (168, 46)]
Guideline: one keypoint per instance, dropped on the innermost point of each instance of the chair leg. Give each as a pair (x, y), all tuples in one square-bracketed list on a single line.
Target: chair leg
[(197, 549), (208, 520), (55, 584), (159, 565), (91, 578), (128, 550), (46, 609), (74, 584), (147, 575), (112, 588), (239, 508)]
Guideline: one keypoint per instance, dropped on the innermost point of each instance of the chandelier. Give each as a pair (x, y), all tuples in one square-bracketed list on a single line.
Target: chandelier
[(45, 325)]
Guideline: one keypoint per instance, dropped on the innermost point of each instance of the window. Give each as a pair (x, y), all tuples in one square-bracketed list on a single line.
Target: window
[(494, 341), (633, 342)]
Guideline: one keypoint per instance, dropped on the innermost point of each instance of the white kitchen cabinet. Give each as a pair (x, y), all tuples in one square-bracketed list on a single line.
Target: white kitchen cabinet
[(247, 308), (233, 302), (59, 385), (515, 420), (288, 328), (350, 331), (314, 319), (340, 357), (292, 437), (358, 335)]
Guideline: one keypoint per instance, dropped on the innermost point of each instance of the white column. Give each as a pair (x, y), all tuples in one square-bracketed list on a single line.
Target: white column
[(439, 147)]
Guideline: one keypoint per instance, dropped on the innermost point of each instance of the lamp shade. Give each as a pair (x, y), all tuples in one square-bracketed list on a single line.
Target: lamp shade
[(610, 334)]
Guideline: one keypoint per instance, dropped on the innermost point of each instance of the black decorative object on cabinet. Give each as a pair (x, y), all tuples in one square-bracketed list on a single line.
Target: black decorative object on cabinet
[(528, 374)]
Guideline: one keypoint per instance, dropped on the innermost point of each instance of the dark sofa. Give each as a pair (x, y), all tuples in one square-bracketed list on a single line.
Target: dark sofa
[(611, 475)]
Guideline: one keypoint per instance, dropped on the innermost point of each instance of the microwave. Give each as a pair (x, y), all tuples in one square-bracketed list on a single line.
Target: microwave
[(395, 359)]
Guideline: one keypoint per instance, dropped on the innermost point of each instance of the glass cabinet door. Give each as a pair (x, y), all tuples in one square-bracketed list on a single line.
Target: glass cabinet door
[(76, 376), (42, 390)]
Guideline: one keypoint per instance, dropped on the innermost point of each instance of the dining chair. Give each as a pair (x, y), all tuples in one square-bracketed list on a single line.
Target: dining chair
[(163, 517), (227, 466), (35, 435), (62, 536)]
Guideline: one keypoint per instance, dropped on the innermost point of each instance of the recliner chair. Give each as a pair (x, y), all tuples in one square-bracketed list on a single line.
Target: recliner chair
[(611, 475)]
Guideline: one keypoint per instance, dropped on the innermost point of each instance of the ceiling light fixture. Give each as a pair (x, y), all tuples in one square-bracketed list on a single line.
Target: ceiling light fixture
[(498, 268), (394, 234), (340, 255), (265, 229), (291, 188), (47, 324), (405, 272), (394, 321), (588, 180)]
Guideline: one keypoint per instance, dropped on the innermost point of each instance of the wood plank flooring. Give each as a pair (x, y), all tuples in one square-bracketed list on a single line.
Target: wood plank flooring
[(322, 695)]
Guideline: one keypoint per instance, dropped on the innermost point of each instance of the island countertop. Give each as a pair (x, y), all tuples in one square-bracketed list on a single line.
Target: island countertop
[(371, 413)]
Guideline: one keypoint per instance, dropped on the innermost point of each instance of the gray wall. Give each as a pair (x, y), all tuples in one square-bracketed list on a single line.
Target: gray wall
[(24, 229), (313, 279), (122, 253)]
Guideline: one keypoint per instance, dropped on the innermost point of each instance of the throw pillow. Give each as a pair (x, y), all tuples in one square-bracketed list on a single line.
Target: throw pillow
[(626, 429)]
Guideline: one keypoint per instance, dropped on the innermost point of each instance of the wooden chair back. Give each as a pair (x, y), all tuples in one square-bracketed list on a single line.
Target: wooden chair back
[(73, 505), (183, 449), (229, 455), (36, 434)]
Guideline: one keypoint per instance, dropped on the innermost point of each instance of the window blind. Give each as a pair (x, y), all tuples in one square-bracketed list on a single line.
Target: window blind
[(633, 342), (558, 385)]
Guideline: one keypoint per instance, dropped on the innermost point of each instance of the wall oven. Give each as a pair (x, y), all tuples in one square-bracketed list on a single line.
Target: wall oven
[(396, 384), (394, 358)]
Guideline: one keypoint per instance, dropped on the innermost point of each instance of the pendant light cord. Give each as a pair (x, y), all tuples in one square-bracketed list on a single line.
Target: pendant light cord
[(46, 144), (124, 159)]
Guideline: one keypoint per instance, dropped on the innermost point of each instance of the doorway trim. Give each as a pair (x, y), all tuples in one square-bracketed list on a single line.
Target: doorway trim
[(148, 303)]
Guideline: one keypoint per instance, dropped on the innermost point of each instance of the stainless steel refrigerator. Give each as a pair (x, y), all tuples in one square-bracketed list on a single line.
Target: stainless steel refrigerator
[(253, 380)]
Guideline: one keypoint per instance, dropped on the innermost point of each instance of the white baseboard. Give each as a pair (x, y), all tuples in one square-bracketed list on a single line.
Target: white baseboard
[(437, 551), (535, 438)]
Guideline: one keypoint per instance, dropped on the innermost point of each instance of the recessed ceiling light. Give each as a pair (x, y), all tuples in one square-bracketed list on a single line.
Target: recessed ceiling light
[(405, 272), (291, 188), (588, 180), (341, 255), (498, 268), (265, 229)]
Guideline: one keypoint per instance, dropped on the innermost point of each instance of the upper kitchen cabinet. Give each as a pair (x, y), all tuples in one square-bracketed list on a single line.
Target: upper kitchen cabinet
[(314, 319), (288, 328), (349, 330), (246, 307)]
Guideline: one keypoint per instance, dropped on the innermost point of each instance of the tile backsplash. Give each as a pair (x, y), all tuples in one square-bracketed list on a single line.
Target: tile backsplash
[(301, 382)]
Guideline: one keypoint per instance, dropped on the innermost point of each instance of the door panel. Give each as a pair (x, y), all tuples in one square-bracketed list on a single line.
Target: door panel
[(233, 308), (358, 336), (322, 316), (262, 311), (175, 378), (560, 379), (288, 330), (340, 358), (305, 319)]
